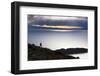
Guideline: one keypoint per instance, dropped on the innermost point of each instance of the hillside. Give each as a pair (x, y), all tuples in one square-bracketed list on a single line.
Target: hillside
[(40, 53)]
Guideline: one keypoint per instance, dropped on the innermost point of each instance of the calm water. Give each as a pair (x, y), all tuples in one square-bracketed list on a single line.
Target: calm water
[(82, 56), (57, 39)]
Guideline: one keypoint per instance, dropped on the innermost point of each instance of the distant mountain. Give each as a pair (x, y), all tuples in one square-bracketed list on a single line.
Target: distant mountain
[(72, 50), (40, 53)]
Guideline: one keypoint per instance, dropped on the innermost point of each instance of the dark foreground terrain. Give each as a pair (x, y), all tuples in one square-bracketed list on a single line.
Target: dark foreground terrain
[(41, 53)]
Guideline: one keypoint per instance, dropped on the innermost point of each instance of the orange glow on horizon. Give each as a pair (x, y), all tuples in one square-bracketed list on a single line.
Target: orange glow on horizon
[(62, 27)]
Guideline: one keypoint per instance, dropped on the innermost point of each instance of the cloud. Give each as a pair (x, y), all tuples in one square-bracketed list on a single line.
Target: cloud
[(59, 27), (63, 22), (39, 17)]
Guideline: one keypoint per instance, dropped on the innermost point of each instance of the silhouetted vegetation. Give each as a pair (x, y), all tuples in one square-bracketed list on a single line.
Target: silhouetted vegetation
[(41, 53)]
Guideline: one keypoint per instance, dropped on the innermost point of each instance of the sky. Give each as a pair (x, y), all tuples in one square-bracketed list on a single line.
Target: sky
[(57, 32)]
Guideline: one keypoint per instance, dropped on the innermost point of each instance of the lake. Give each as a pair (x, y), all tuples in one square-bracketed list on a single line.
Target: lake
[(58, 39)]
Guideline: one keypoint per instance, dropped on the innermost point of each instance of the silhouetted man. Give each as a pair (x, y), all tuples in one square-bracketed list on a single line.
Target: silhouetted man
[(40, 44)]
